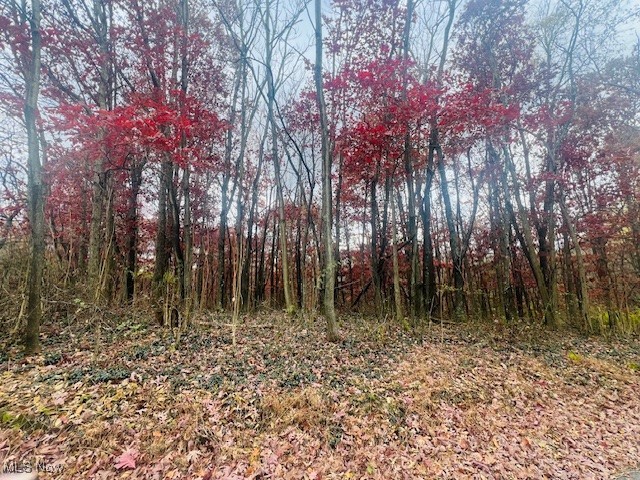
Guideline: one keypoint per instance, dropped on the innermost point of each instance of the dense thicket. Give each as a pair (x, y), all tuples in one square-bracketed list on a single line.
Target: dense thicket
[(481, 158)]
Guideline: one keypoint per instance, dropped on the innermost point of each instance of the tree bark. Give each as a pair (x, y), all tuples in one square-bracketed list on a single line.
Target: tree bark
[(187, 277), (36, 193), (97, 236), (581, 288), (161, 261), (282, 223), (428, 264), (409, 173), (454, 243), (397, 293), (132, 229), (327, 193), (225, 201)]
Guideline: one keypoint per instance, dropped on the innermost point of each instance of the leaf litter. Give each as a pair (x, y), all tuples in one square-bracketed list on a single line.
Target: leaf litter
[(283, 403)]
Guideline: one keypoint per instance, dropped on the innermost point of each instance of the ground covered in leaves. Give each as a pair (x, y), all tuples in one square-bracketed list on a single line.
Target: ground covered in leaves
[(123, 401)]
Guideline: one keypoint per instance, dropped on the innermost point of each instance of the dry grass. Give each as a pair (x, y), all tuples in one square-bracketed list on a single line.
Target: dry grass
[(304, 408)]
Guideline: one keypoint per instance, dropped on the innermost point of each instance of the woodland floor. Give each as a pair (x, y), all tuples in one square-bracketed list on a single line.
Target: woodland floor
[(120, 401)]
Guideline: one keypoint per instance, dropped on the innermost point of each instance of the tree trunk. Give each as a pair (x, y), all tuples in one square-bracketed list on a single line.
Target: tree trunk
[(429, 296), (282, 224), (454, 243), (132, 229), (175, 233), (327, 193), (412, 232), (397, 293), (161, 262), (375, 271), (36, 194), (501, 229), (524, 234), (336, 222), (244, 289), (187, 277), (581, 288), (225, 201), (105, 291), (546, 251), (98, 237), (429, 270)]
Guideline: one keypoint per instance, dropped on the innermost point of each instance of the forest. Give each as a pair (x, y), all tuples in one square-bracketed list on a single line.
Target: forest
[(322, 238)]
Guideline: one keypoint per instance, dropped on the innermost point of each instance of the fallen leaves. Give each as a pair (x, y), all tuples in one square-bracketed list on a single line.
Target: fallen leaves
[(127, 459), (285, 404)]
